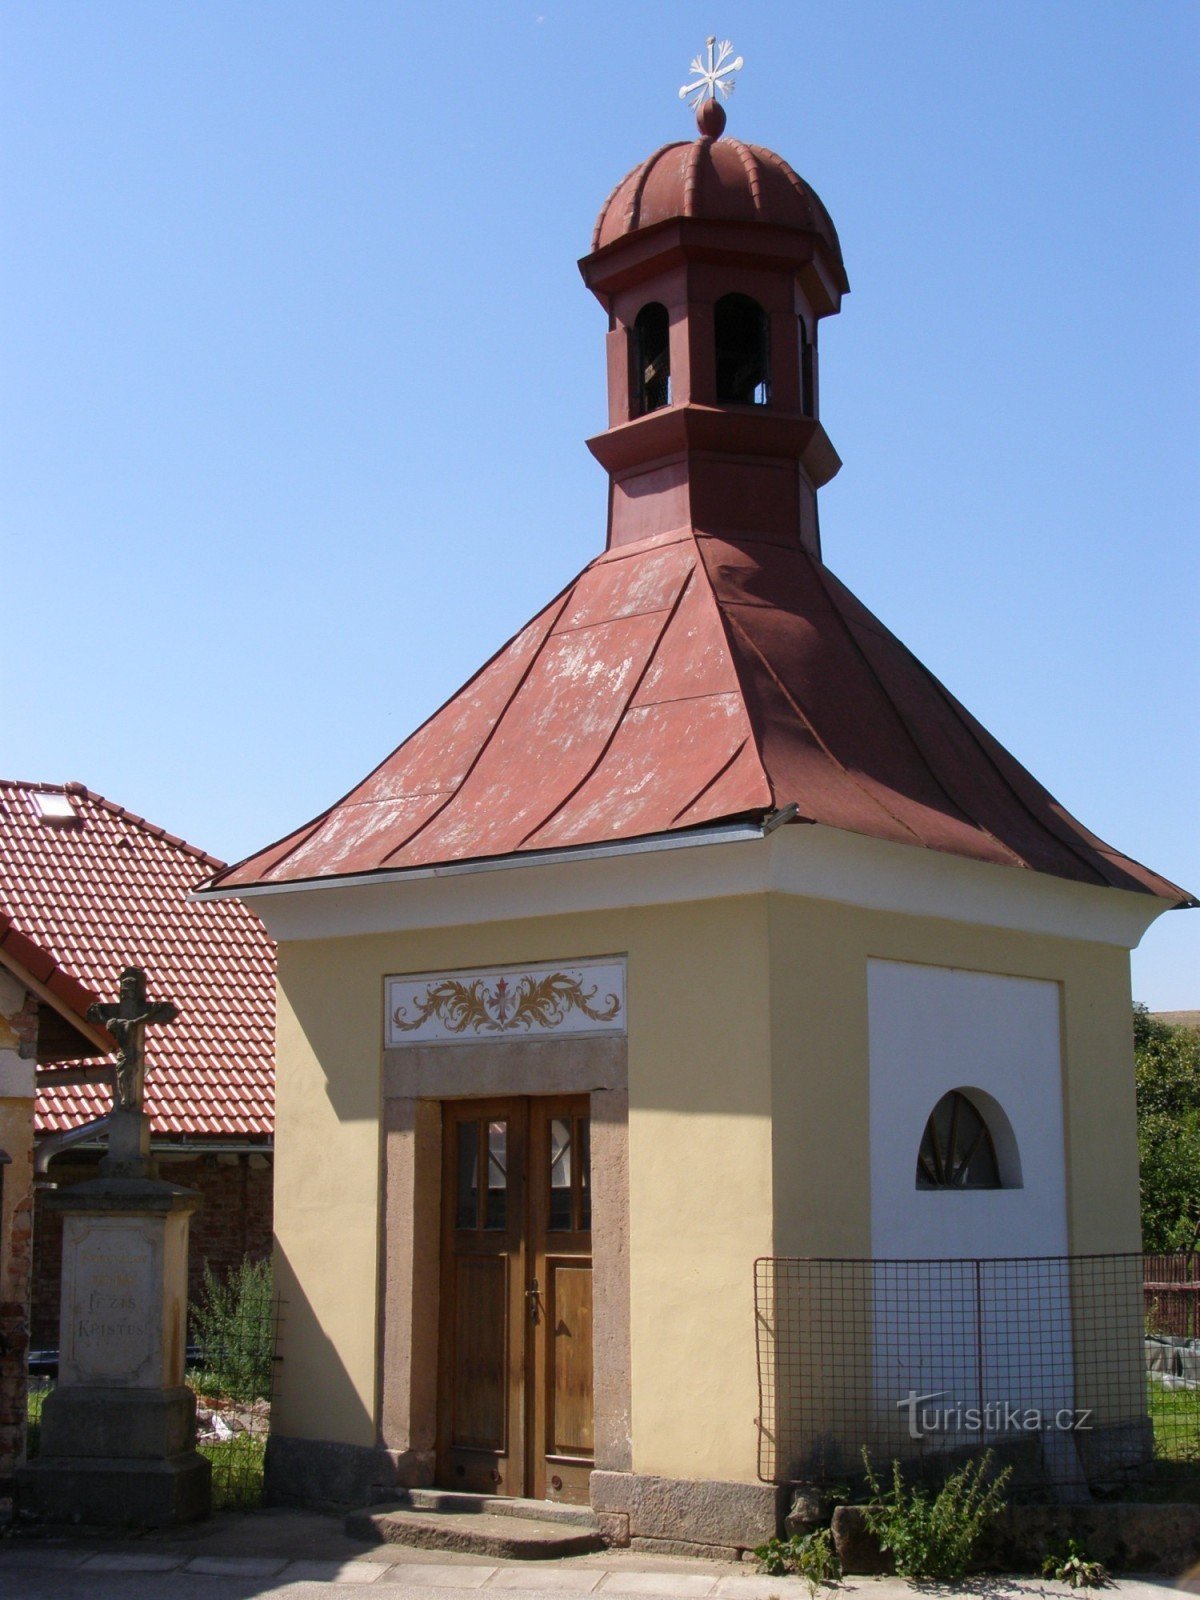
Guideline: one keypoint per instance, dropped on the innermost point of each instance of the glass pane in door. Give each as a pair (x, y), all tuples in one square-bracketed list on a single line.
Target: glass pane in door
[(584, 1139), (467, 1186), (560, 1175), (497, 1183)]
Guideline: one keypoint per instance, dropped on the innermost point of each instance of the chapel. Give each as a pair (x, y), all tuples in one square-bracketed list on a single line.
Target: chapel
[(703, 928)]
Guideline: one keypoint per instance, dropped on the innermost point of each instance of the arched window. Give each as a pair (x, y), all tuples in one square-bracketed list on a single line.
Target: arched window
[(652, 358), (957, 1150), (743, 365), (808, 373)]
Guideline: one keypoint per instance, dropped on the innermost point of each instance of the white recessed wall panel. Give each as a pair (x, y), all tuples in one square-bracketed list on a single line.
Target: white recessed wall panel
[(964, 1333), (933, 1029)]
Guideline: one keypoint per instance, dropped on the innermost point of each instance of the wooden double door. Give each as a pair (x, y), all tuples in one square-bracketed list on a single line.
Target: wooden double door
[(515, 1359)]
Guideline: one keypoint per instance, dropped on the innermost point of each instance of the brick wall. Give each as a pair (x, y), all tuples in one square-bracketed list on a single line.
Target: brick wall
[(14, 1333), (18, 1049), (233, 1221)]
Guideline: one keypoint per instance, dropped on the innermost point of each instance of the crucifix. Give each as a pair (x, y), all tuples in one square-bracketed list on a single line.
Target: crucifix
[(127, 1021)]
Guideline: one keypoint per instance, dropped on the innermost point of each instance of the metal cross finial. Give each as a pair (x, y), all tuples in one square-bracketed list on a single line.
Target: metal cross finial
[(716, 76), (127, 1021)]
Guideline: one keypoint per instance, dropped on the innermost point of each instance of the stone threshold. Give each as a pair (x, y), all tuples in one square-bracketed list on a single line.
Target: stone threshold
[(477, 1524)]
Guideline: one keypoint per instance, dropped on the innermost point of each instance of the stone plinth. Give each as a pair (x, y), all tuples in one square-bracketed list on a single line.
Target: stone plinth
[(119, 1431)]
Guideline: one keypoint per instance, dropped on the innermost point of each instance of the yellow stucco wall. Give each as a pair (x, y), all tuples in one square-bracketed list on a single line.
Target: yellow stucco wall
[(819, 955), (699, 1131), (737, 1008)]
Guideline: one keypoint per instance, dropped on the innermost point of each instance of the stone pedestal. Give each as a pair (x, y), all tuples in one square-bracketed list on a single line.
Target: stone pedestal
[(119, 1431)]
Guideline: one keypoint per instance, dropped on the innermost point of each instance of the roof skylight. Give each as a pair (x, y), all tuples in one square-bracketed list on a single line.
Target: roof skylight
[(52, 807)]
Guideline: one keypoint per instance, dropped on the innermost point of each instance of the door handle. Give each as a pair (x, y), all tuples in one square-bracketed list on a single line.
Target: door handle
[(531, 1295)]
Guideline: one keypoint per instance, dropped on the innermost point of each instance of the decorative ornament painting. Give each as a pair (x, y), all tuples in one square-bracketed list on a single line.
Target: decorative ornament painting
[(474, 1007)]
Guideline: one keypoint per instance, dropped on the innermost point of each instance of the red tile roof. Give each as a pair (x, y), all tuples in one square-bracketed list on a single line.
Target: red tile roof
[(692, 680), (81, 899)]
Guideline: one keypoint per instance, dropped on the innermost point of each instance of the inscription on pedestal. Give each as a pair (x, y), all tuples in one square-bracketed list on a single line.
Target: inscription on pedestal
[(112, 1313)]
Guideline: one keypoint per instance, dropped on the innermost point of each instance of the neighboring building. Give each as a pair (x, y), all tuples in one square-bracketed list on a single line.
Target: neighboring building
[(19, 1012), (93, 888), (689, 921)]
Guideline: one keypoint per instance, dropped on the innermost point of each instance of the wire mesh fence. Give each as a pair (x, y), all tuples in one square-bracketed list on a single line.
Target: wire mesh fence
[(232, 1365), (1055, 1364), (1172, 1285), (231, 1368)]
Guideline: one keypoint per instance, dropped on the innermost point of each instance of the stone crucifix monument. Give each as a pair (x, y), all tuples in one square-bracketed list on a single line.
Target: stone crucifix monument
[(118, 1440)]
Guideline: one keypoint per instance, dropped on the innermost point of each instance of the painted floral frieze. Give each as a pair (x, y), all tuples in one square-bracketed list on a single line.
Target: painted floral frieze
[(459, 1007)]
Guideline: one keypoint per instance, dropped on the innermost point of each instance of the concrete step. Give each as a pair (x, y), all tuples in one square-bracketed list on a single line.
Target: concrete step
[(480, 1524), (498, 1505)]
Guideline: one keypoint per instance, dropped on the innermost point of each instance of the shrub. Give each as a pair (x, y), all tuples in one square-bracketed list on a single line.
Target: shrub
[(1075, 1568), (935, 1535), (233, 1323), (810, 1555)]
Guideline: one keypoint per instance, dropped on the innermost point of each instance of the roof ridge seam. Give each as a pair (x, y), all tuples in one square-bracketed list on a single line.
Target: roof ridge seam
[(635, 171), (710, 782), (748, 644), (604, 622), (903, 722), (748, 156), (154, 829), (680, 699), (620, 718), (302, 834), (36, 787), (691, 181), (785, 168), (641, 176), (636, 549), (568, 596), (1056, 832), (725, 625), (733, 626), (602, 217)]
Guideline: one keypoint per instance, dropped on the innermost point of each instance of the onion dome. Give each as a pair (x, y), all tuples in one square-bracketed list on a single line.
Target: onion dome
[(716, 180)]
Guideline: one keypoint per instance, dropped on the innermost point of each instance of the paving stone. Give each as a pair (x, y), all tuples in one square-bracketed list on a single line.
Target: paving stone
[(38, 1556), (756, 1587), (333, 1571), (679, 1584), (422, 1573), (237, 1566), (132, 1561), (550, 1579)]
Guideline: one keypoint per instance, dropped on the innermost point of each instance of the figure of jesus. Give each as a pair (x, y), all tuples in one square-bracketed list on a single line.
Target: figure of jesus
[(126, 1021)]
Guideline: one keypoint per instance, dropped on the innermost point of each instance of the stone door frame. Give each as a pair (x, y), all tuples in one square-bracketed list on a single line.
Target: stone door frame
[(416, 1079)]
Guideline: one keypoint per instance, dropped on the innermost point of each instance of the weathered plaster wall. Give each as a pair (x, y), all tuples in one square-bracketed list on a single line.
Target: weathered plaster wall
[(699, 1151)]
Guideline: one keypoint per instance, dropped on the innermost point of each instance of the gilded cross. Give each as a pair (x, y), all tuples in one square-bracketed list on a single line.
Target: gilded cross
[(127, 1021)]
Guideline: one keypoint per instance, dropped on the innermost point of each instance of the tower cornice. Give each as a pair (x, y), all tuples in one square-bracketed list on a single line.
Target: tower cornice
[(675, 432)]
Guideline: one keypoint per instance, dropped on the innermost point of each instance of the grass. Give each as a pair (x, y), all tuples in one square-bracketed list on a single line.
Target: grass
[(1175, 1414), (33, 1421), (237, 1471), (237, 1463)]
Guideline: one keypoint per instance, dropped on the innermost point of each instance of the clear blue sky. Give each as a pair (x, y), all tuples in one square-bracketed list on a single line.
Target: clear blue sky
[(297, 369)]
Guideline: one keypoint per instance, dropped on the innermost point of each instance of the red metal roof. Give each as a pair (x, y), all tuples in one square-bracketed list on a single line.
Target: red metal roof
[(716, 180), (82, 898), (692, 680)]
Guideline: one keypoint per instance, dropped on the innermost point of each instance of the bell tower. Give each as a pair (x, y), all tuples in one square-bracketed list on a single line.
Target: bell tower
[(715, 263)]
